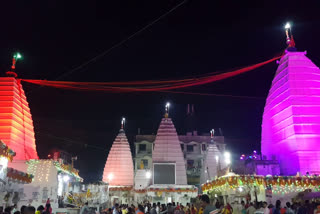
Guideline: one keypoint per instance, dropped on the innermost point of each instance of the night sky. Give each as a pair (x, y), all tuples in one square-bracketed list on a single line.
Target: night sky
[(199, 37)]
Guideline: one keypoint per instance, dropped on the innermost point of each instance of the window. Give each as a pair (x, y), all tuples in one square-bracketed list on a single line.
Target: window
[(145, 163), (204, 147), (190, 164), (142, 147), (182, 146), (189, 148)]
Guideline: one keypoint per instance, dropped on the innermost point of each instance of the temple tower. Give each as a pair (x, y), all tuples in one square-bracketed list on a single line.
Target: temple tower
[(118, 170), (291, 118), (210, 164), (16, 125), (167, 150)]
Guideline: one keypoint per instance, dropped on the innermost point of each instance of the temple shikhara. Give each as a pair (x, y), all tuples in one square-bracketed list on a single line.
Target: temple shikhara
[(289, 163), (291, 119), (16, 125), (118, 170)]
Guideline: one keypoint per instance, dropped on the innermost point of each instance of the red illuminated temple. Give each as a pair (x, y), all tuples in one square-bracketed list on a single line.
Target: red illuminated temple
[(16, 125)]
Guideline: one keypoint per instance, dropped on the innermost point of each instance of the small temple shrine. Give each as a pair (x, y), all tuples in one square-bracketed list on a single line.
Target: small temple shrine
[(118, 171), (169, 177), (212, 162)]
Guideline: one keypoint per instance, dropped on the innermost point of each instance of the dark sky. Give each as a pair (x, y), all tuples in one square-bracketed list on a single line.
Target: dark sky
[(199, 37)]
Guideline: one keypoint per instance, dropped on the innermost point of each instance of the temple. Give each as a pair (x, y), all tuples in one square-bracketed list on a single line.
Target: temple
[(167, 155), (118, 170), (16, 125), (291, 118), (211, 165)]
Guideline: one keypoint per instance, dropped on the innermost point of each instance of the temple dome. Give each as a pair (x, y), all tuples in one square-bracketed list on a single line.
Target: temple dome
[(167, 149), (118, 170), (291, 118), (16, 125)]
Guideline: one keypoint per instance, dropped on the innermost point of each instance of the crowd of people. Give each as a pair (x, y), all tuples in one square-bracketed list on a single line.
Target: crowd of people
[(218, 208), (27, 209), (205, 207)]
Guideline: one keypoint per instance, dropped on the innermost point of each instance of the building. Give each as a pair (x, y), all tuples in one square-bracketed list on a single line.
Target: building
[(16, 125), (193, 146), (253, 164), (291, 118), (118, 171)]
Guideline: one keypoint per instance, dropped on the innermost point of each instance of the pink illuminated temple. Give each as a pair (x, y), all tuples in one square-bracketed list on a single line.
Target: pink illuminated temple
[(291, 119)]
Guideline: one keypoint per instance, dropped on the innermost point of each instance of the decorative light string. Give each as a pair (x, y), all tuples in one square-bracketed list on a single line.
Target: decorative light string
[(148, 85)]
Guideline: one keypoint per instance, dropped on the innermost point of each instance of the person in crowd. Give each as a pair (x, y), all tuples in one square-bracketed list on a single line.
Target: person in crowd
[(22, 208), (7, 210), (193, 209), (85, 209), (130, 210), (140, 209), (317, 210), (14, 208), (260, 209), (124, 209), (266, 210), (205, 204), (276, 210), (109, 211), (30, 210), (158, 208), (200, 210), (163, 209), (48, 209), (243, 208), (251, 209), (115, 209), (227, 209), (153, 209), (170, 209), (40, 209), (17, 212), (289, 209)]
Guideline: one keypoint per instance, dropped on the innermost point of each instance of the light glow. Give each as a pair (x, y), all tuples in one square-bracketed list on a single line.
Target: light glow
[(287, 26), (110, 177), (227, 157), (66, 178), (148, 174)]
